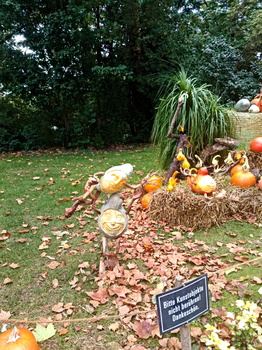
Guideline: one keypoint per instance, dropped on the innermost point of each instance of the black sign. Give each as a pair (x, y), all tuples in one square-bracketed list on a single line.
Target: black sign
[(182, 305)]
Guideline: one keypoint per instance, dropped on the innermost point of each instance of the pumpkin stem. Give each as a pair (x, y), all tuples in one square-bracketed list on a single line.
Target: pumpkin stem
[(14, 336)]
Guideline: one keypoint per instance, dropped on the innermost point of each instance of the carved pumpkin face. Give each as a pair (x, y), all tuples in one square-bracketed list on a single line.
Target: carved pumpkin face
[(112, 222), (113, 181)]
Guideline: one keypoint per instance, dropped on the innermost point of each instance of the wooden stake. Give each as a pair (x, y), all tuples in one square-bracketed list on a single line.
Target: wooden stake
[(185, 337)]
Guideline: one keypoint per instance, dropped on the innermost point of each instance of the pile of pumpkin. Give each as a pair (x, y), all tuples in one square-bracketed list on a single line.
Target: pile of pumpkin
[(218, 200)]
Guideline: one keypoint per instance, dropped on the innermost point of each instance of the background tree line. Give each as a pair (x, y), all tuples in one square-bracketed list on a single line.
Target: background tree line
[(92, 69)]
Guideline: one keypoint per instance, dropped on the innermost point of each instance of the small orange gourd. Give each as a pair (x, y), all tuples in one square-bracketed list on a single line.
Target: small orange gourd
[(18, 339), (244, 177), (153, 183), (235, 169), (145, 200)]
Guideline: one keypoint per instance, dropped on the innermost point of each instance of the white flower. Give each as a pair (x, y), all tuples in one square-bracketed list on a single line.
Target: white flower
[(242, 324), (240, 303), (230, 315)]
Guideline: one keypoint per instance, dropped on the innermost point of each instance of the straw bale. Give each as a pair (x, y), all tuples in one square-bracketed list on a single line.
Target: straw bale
[(247, 125), (182, 207), (254, 160)]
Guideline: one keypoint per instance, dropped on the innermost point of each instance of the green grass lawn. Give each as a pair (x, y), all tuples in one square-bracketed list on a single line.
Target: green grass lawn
[(41, 252)]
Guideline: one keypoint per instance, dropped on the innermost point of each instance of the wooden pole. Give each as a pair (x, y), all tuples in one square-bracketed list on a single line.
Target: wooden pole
[(185, 337)]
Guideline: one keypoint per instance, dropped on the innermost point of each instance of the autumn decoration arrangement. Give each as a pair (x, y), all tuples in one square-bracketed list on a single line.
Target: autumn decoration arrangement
[(205, 195)]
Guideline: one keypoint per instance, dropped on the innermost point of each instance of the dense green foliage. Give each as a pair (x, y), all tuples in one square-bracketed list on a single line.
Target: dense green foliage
[(93, 68)]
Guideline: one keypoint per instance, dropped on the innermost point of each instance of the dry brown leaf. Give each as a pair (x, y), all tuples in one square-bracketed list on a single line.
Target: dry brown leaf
[(55, 283), (58, 308), (174, 343), (4, 235), (120, 291), (20, 200), (114, 326), (53, 265), (101, 295), (7, 280), (256, 280), (84, 265), (124, 310), (195, 332), (14, 266), (62, 331), (4, 315), (143, 329)]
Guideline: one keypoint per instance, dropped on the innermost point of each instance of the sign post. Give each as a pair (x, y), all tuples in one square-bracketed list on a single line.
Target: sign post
[(181, 305)]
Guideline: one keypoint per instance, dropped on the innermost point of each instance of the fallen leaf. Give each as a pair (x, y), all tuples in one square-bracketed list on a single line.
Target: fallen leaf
[(14, 266), (101, 295), (55, 283), (63, 331), (84, 265), (257, 280), (195, 332), (20, 200), (4, 315), (143, 329), (7, 280), (114, 326), (4, 235), (58, 308), (53, 265), (42, 333)]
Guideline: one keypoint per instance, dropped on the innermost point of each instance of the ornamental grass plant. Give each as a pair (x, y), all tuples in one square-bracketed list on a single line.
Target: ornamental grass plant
[(202, 116)]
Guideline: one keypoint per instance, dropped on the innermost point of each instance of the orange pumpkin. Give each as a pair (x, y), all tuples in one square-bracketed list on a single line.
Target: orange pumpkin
[(18, 339), (256, 144), (243, 178), (235, 169), (258, 101), (153, 183), (145, 200)]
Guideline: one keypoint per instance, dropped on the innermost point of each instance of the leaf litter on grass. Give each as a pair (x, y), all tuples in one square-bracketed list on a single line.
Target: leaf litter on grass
[(147, 264), (151, 255)]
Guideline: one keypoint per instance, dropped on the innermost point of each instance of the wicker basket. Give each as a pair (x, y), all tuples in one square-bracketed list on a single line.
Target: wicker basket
[(248, 125)]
